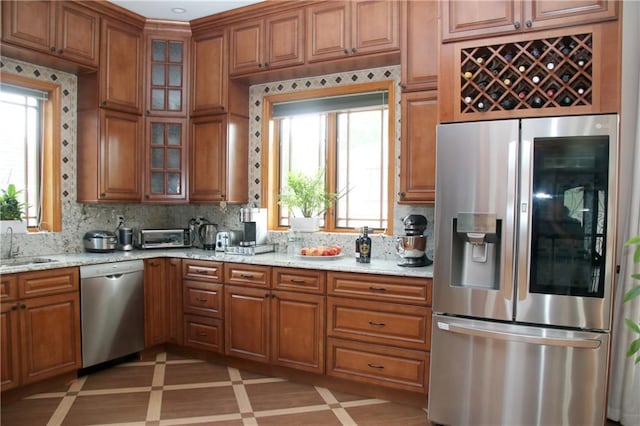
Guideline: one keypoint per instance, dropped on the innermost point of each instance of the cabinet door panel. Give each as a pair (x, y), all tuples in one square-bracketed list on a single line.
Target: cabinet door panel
[(465, 19), (9, 361), (174, 279), (374, 26), (78, 33), (166, 159), (546, 13), (284, 39), (208, 74), (246, 47), (207, 166), (156, 302), (203, 299), (418, 149), (29, 23), (328, 34), (204, 333), (247, 323), (420, 45), (120, 176), (50, 336), (297, 331), (121, 67)]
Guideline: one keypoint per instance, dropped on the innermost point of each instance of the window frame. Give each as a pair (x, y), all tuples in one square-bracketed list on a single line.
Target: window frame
[(270, 152), (51, 208)]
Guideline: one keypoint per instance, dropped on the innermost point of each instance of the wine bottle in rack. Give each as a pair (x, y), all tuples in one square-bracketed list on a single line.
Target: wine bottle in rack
[(566, 100), (509, 103), (480, 106), (536, 52), (566, 77), (536, 101), (522, 91), (551, 91), (535, 79), (494, 66), (495, 93)]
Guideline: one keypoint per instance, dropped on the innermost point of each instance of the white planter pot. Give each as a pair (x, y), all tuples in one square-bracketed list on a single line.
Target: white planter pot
[(16, 226), (304, 224)]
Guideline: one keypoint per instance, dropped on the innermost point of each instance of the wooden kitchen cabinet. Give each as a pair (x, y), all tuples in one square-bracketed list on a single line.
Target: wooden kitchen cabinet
[(418, 148), (413, 291), (263, 44), (297, 330), (109, 156), (121, 70), (40, 327), (173, 276), (464, 20), (166, 62), (156, 303), (339, 29), (246, 322), (218, 159), (165, 151), (420, 45), (62, 28)]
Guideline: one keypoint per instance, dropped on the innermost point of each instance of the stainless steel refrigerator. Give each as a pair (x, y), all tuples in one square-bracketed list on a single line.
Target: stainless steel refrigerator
[(523, 271)]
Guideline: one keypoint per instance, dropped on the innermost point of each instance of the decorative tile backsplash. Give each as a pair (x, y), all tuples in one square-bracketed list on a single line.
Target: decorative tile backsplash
[(79, 218)]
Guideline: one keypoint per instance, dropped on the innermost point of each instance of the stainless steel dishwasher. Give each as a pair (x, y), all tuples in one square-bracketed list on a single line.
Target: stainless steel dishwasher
[(112, 310)]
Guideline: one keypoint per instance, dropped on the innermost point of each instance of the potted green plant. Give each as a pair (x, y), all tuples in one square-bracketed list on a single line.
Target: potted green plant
[(11, 210), (634, 346), (306, 196)]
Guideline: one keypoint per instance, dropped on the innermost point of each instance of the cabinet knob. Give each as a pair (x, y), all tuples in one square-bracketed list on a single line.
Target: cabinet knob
[(222, 196), (375, 366), (23, 306), (402, 194), (102, 194), (14, 307), (403, 85), (528, 24), (103, 103), (146, 196), (516, 25), (260, 65), (53, 49), (353, 50), (266, 295), (346, 51)]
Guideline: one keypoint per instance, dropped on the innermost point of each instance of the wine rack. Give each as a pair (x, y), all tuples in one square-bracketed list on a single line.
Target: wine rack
[(545, 73)]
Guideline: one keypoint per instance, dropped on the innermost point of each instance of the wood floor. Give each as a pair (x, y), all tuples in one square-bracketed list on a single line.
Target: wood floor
[(176, 391)]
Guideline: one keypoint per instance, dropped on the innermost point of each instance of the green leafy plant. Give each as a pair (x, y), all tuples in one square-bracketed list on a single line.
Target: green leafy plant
[(10, 206), (634, 292), (307, 193)]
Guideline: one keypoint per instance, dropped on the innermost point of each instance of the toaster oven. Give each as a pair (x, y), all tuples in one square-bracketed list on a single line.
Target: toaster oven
[(163, 238)]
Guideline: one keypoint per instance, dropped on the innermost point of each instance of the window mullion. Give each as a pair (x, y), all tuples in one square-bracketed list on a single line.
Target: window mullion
[(331, 167)]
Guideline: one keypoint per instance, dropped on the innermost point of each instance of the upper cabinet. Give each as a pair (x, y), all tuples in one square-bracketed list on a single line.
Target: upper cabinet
[(63, 29), (420, 45), (208, 73), (275, 41), (464, 19), (166, 88), (121, 71), (341, 29)]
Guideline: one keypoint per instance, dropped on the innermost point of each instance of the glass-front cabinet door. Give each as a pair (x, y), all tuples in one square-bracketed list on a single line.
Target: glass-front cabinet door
[(166, 76), (567, 221), (165, 179)]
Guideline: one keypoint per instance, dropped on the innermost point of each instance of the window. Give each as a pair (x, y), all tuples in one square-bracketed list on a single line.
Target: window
[(29, 147), (349, 137)]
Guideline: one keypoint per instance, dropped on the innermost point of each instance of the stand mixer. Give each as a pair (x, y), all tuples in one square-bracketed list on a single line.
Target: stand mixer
[(411, 247)]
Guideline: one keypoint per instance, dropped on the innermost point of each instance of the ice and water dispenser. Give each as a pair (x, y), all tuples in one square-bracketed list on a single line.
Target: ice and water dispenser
[(476, 250)]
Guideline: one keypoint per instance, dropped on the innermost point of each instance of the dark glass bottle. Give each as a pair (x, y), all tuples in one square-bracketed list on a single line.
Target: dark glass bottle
[(363, 246), (566, 100), (508, 103), (536, 102), (494, 66)]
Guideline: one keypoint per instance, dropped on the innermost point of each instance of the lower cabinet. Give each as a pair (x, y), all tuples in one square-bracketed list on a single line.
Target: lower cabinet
[(204, 333), (247, 323), (40, 326), (162, 301)]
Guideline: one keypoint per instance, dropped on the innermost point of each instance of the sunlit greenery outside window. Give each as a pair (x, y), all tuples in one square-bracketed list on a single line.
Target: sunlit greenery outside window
[(352, 146), (21, 121)]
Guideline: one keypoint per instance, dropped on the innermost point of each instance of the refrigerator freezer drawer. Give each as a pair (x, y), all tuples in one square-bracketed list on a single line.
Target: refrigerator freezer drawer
[(487, 373)]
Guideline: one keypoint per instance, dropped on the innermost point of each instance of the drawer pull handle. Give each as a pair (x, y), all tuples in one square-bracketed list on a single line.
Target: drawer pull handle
[(248, 276), (379, 324), (201, 334), (374, 288), (201, 271), (201, 299), (380, 367), (297, 281)]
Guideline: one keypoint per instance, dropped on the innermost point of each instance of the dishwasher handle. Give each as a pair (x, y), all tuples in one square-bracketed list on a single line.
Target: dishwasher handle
[(114, 276), (519, 337)]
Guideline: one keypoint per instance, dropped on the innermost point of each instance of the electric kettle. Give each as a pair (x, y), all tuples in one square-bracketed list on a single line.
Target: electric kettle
[(207, 233)]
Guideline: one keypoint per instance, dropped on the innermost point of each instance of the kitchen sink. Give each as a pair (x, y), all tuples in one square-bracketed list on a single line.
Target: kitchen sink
[(5, 263)]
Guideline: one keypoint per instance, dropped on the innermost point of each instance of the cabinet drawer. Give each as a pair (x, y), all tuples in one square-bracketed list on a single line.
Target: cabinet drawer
[(43, 283), (376, 364), (249, 275), (305, 280), (380, 287), (8, 287), (203, 298), (204, 333), (376, 322), (202, 270)]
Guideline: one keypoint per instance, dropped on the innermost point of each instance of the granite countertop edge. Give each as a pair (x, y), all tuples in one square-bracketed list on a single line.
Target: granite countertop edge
[(342, 264)]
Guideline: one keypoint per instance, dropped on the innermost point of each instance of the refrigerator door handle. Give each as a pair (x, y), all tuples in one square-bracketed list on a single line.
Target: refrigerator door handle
[(518, 337)]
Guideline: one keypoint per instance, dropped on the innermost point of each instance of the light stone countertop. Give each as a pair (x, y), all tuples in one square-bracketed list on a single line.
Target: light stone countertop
[(342, 264)]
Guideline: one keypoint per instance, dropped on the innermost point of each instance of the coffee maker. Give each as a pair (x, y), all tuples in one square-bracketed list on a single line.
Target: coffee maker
[(254, 224), (411, 247)]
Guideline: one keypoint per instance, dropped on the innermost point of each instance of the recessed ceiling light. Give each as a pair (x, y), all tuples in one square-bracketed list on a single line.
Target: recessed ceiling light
[(178, 10)]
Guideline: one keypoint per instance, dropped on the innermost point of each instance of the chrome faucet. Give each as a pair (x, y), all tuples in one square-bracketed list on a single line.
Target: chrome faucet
[(10, 232)]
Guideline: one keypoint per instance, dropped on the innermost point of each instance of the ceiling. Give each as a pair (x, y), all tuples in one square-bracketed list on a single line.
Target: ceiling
[(193, 9)]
